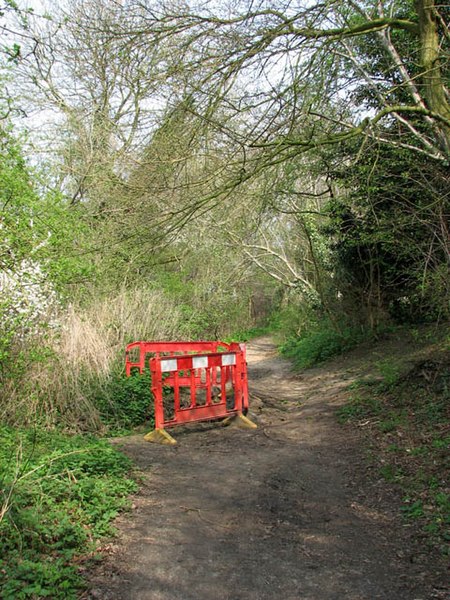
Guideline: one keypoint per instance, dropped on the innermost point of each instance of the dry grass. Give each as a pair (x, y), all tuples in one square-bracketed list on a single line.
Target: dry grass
[(93, 338), (86, 348)]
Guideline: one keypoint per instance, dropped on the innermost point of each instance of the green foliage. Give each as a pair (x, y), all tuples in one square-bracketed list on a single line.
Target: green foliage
[(390, 371), (291, 319), (211, 307), (320, 344), (389, 254), (391, 421), (43, 227), (359, 407), (412, 510), (59, 496), (17, 198), (248, 334), (123, 402)]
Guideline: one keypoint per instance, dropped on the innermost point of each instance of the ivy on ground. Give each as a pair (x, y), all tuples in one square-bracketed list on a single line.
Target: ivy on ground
[(58, 497)]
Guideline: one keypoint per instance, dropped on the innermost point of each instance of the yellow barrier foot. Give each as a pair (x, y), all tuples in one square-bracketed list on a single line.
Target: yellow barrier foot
[(240, 421), (160, 436)]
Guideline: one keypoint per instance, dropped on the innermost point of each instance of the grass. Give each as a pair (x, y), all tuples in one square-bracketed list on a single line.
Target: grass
[(407, 422), (59, 495)]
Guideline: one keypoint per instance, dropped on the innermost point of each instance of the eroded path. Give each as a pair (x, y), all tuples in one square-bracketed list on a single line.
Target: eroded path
[(283, 512)]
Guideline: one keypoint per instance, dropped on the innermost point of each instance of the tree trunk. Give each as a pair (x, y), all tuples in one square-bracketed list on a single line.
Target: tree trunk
[(433, 84)]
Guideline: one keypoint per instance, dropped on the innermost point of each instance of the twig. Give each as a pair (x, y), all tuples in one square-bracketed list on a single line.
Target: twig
[(198, 511)]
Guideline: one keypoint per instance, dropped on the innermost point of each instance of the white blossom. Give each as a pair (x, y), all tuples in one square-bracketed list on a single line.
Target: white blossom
[(29, 302)]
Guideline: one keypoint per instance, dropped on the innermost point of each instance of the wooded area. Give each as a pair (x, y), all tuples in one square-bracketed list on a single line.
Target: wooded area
[(196, 170)]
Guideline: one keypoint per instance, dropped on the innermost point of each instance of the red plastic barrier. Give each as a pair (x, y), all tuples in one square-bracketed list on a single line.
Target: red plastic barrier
[(192, 381), (166, 348)]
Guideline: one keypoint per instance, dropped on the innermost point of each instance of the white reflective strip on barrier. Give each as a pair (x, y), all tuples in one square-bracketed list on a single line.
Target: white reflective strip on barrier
[(228, 359), (199, 362), (169, 364)]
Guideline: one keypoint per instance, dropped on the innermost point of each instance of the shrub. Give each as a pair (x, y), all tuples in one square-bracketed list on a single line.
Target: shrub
[(124, 402), (321, 344)]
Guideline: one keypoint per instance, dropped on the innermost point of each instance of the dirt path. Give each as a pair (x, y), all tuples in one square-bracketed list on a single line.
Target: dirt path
[(282, 512)]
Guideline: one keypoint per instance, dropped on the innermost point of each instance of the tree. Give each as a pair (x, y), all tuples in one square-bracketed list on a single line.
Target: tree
[(389, 232), (252, 98), (281, 64), (101, 94)]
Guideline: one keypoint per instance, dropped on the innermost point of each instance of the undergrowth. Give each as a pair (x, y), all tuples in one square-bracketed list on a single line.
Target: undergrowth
[(407, 420), (73, 376), (321, 343), (248, 334), (122, 402), (58, 497)]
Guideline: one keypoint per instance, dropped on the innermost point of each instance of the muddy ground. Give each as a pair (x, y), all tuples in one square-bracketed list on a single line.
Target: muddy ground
[(288, 511)]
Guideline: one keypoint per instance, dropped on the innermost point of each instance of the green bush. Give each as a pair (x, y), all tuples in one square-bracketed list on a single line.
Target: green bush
[(123, 402), (321, 344), (58, 496)]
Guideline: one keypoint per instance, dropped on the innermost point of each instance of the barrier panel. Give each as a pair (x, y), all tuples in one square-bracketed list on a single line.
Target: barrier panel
[(144, 349), (193, 382)]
